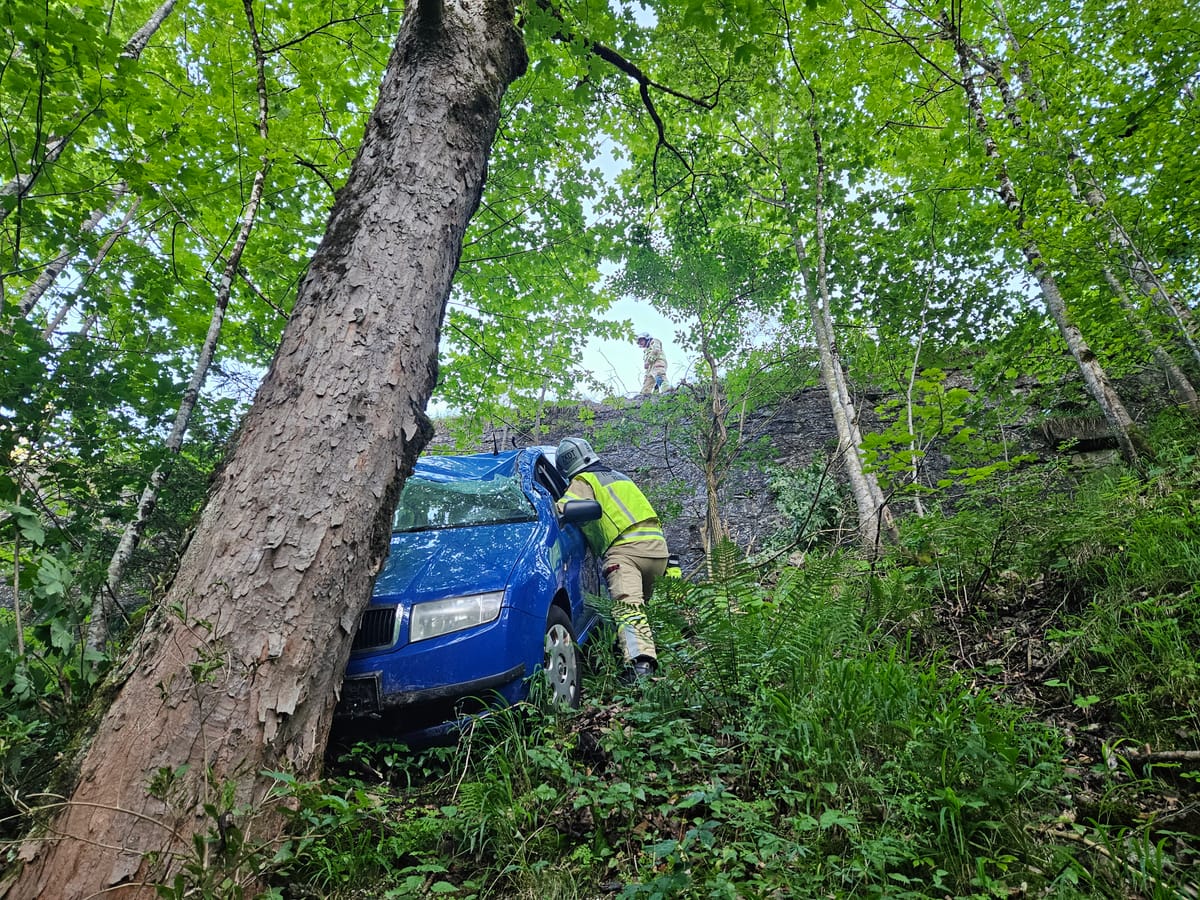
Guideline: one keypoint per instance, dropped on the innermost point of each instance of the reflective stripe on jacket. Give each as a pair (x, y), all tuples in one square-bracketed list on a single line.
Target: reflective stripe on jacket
[(625, 513)]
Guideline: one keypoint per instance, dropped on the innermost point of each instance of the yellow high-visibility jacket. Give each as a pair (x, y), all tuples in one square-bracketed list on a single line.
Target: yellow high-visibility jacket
[(622, 506)]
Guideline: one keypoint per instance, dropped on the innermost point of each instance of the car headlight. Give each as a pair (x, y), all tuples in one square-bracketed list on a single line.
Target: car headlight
[(454, 614)]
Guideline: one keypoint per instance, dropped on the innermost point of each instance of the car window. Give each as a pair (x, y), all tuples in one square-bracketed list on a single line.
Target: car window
[(426, 505), (548, 477)]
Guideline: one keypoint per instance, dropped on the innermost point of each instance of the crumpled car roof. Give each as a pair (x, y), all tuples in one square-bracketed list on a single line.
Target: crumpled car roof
[(476, 467)]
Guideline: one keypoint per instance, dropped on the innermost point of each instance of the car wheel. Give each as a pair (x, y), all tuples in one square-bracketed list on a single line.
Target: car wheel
[(561, 659)]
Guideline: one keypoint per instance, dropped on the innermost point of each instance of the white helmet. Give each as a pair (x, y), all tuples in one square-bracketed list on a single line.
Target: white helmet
[(644, 336), (574, 455)]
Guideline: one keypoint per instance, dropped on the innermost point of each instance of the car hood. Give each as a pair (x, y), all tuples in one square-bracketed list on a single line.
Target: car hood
[(450, 562)]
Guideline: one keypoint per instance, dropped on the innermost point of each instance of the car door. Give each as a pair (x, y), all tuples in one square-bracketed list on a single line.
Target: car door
[(583, 569)]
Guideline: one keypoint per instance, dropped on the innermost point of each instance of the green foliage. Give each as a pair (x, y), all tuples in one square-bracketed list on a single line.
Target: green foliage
[(785, 748), (812, 501), (1123, 554), (931, 412), (46, 674), (796, 746), (801, 738)]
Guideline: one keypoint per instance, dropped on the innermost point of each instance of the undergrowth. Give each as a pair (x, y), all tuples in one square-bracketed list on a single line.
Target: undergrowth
[(813, 733)]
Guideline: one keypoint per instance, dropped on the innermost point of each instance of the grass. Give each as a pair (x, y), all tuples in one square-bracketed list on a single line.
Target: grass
[(837, 730), (1003, 706)]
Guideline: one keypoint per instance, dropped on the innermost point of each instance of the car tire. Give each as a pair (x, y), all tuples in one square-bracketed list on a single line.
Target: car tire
[(561, 661)]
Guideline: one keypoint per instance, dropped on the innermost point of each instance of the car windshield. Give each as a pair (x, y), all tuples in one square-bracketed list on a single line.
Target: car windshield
[(426, 505)]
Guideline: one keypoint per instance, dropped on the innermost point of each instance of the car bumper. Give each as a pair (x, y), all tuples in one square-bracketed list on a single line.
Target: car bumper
[(363, 695), (479, 662)]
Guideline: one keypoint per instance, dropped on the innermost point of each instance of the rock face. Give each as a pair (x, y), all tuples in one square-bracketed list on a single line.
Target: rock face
[(648, 440)]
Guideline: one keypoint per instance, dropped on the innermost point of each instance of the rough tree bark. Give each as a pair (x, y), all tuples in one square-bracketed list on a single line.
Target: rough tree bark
[(238, 673)]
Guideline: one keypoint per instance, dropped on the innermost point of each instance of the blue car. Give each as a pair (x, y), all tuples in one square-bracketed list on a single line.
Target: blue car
[(485, 584)]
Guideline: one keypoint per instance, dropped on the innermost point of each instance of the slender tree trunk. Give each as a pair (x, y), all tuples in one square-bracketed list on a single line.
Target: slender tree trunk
[(881, 512), (137, 44), (716, 438), (1094, 376), (864, 486), (1178, 381), (913, 446), (66, 253), (106, 596), (1142, 270), (843, 416), (238, 672), (1176, 377), (20, 185), (97, 260), (1029, 86)]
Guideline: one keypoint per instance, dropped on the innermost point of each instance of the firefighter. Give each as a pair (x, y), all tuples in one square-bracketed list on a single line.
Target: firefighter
[(628, 539), (654, 362)]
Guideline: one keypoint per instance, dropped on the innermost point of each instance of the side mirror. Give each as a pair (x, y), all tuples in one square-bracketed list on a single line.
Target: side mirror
[(577, 512)]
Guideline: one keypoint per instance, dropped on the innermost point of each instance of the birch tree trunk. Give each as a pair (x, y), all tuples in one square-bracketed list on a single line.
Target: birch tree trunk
[(1142, 270), (238, 672), (880, 512), (1176, 377), (20, 185), (119, 232), (864, 486), (66, 253), (1094, 376), (848, 451), (106, 596)]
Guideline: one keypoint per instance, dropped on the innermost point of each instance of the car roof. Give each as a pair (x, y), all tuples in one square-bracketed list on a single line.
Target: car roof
[(475, 466)]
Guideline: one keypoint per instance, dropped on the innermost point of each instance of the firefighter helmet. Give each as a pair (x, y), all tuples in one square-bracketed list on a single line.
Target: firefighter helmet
[(573, 456)]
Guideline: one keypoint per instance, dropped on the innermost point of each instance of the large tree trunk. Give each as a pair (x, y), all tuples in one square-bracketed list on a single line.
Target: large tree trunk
[(238, 673), (1094, 375)]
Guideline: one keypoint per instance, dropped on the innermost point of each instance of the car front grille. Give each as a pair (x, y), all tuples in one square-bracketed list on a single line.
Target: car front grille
[(376, 628)]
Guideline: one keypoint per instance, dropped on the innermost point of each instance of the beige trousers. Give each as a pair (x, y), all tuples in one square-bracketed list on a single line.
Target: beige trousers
[(631, 576)]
